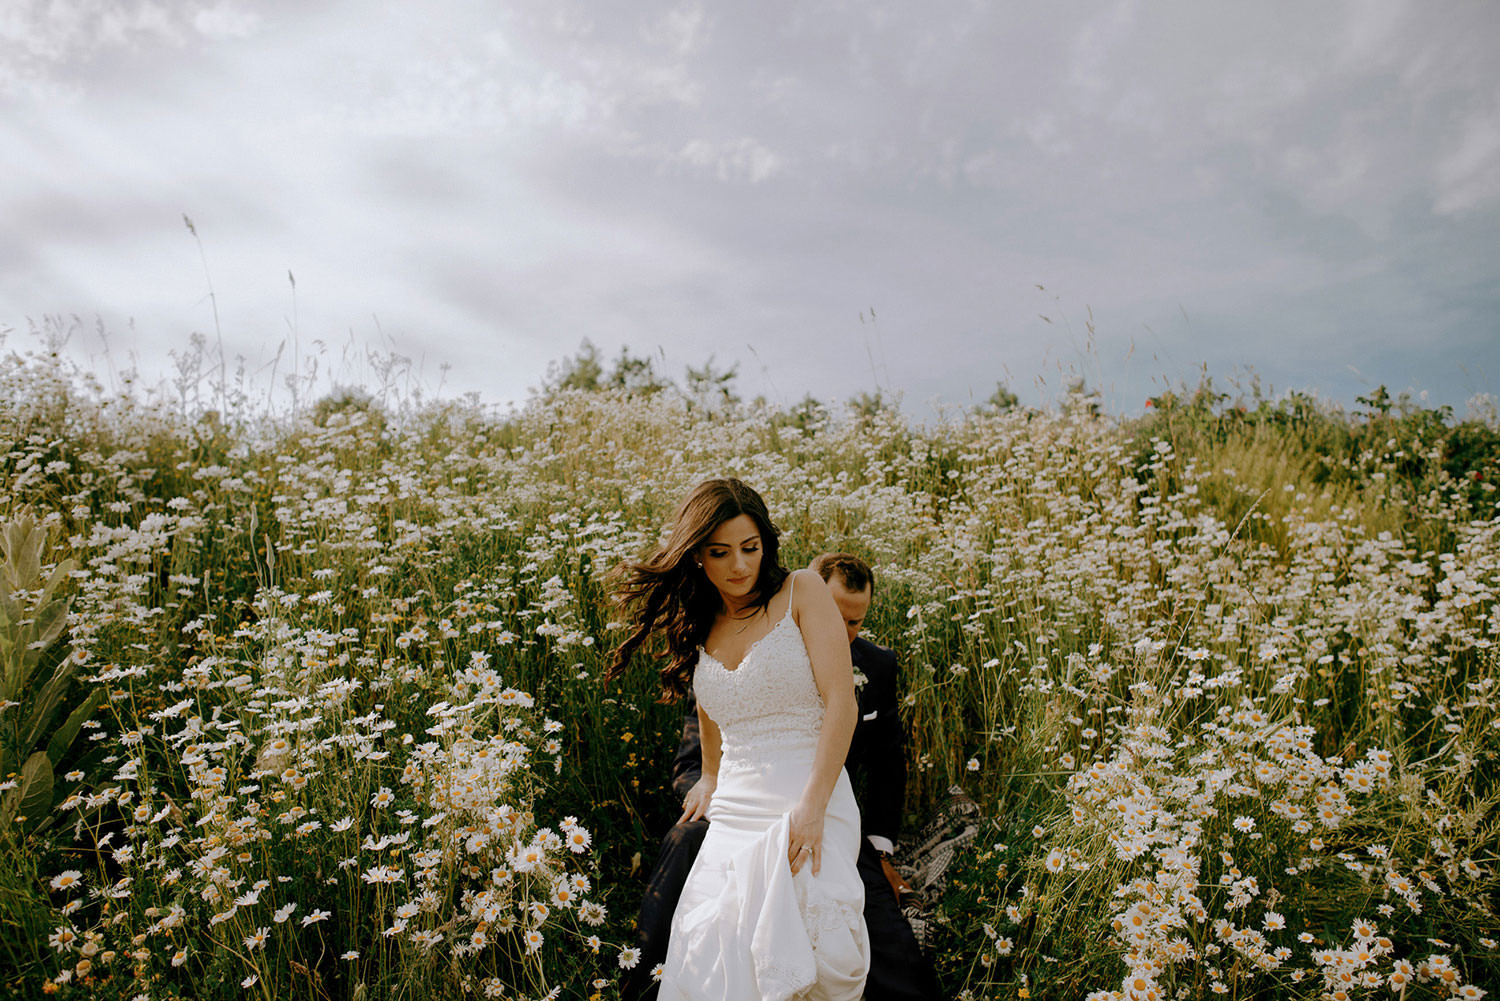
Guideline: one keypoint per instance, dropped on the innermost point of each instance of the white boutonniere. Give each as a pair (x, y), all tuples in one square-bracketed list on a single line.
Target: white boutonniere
[(860, 680)]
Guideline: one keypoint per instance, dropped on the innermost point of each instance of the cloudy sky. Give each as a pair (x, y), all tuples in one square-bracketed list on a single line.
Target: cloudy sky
[(836, 196)]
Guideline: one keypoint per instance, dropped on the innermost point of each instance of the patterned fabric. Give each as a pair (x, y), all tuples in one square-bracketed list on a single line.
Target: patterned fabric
[(924, 860)]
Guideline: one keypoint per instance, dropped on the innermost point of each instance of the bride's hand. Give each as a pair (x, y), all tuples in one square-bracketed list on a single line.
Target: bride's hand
[(695, 803), (805, 841)]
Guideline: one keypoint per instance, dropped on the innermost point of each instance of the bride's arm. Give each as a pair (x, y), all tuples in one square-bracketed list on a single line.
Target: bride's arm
[(828, 648), (695, 803)]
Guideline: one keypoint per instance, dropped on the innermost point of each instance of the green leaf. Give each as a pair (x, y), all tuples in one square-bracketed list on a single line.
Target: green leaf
[(51, 619), (58, 576), (46, 704), (26, 558), (36, 788), (10, 670), (34, 796), (68, 732)]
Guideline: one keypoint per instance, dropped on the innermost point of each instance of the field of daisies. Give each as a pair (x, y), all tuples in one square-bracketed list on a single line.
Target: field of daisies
[(310, 705)]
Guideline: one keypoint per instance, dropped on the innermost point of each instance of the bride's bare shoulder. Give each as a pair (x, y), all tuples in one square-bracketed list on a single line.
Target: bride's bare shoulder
[(804, 585)]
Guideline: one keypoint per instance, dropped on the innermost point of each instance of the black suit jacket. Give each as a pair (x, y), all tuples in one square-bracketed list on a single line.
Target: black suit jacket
[(877, 754)]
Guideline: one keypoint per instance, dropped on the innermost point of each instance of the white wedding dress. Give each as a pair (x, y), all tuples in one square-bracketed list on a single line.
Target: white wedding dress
[(745, 928)]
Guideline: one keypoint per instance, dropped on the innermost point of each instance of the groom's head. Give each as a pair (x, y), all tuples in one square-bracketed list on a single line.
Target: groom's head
[(852, 583)]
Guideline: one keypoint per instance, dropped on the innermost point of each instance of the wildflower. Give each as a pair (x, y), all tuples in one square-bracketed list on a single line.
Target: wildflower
[(533, 939), (383, 797), (258, 939), (1274, 921), (972, 764), (351, 954), (593, 943), (629, 957), (314, 917), (578, 840), (283, 912), (179, 957), (67, 879), (524, 859), (382, 874), (251, 980), (1244, 824)]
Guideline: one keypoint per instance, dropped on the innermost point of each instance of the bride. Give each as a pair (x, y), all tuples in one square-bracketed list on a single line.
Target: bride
[(773, 906)]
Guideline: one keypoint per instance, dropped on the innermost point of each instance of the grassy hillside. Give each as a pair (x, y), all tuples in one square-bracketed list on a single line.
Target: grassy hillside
[(324, 717)]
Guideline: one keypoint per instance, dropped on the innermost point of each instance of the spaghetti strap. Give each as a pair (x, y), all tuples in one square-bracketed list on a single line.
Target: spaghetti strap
[(791, 593)]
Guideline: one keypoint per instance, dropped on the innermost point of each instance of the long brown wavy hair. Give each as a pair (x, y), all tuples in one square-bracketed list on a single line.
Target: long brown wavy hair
[(668, 593)]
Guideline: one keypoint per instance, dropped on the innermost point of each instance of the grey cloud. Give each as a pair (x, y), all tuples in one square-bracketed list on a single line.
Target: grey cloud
[(60, 49), (497, 183)]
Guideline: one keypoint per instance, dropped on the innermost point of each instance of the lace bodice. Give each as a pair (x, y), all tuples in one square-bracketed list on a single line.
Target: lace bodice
[(769, 705)]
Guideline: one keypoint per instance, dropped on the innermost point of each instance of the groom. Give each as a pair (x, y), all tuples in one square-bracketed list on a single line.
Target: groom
[(877, 769)]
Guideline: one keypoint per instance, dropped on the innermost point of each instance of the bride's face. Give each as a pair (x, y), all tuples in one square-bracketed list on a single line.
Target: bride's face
[(731, 557)]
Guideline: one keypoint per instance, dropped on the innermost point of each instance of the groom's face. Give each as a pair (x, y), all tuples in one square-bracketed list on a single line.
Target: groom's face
[(853, 606)]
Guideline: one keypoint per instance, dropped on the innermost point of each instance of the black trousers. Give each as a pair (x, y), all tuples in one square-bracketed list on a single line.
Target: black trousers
[(653, 926), (898, 970)]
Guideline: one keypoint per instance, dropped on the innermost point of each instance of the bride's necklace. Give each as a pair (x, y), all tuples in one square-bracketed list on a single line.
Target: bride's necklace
[(747, 619)]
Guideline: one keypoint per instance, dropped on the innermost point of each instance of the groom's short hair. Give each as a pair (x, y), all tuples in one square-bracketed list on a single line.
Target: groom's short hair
[(853, 573)]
